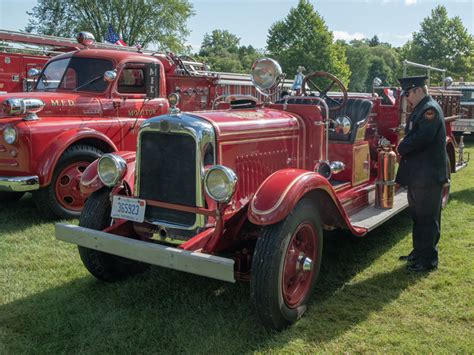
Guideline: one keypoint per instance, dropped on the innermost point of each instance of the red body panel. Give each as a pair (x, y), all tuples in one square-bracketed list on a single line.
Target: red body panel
[(13, 70)]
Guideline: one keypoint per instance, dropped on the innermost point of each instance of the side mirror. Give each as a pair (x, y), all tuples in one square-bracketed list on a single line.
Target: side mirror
[(110, 75), (33, 73), (152, 80)]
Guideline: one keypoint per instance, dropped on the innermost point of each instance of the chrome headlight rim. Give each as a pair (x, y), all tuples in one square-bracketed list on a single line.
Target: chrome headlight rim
[(10, 135), (230, 182), (111, 178)]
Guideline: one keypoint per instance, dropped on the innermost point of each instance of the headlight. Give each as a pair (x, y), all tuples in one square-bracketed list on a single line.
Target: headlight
[(220, 183), (10, 135), (111, 169)]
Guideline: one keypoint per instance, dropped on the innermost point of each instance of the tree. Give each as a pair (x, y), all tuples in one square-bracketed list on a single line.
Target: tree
[(358, 59), (374, 41), (222, 51), (366, 62), (161, 23), (302, 38), (443, 42), (219, 41)]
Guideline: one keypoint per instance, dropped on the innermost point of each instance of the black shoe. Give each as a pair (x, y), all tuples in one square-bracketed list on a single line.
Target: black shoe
[(419, 267), (409, 258)]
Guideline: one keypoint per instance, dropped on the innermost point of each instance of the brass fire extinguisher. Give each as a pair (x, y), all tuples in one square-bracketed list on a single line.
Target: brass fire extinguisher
[(385, 183)]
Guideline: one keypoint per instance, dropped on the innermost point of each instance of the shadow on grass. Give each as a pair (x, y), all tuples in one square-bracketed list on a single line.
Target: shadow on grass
[(171, 312), (20, 215), (466, 196)]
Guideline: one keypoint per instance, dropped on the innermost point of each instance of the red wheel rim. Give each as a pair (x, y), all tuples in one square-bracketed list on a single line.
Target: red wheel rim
[(66, 186), (296, 280)]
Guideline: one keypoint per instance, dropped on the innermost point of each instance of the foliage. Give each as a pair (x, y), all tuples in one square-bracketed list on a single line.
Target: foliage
[(367, 61), (222, 51), (302, 38), (364, 302), (161, 23), (443, 42)]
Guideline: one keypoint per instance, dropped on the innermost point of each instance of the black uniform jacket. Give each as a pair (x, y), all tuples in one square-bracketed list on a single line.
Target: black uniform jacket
[(423, 150)]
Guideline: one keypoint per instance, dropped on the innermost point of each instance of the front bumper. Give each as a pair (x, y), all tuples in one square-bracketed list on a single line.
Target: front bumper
[(202, 264), (19, 183)]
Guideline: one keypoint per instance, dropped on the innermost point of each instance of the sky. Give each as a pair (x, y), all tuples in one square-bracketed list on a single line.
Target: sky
[(393, 21)]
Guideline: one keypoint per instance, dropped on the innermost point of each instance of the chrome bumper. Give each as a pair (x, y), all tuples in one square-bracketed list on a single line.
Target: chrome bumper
[(19, 183), (183, 260)]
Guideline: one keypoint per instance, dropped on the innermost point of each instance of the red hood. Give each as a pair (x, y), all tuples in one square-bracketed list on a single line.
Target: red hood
[(249, 122), (58, 103)]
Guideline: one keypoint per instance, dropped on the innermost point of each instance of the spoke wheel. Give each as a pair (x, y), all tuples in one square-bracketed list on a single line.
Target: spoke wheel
[(334, 82)]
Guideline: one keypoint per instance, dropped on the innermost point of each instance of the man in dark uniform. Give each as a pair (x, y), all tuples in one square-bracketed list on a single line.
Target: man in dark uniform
[(423, 170)]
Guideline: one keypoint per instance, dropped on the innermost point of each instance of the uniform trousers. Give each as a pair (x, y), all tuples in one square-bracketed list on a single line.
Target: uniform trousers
[(424, 203)]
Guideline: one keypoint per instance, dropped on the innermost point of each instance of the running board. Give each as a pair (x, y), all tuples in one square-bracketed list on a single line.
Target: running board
[(372, 217)]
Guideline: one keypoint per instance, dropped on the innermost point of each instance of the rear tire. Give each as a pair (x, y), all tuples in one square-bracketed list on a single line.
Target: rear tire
[(447, 187), (62, 197), (6, 197), (105, 267), (280, 288)]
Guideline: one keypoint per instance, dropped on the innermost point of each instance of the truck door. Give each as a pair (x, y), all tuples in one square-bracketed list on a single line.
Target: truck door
[(132, 105)]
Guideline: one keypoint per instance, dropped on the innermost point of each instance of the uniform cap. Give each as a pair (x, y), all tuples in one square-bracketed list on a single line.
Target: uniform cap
[(411, 82)]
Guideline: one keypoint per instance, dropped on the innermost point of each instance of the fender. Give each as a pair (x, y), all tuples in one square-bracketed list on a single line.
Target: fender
[(281, 191), (90, 181), (51, 155)]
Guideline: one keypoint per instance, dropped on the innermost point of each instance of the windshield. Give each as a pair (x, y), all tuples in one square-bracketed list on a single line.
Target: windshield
[(83, 74)]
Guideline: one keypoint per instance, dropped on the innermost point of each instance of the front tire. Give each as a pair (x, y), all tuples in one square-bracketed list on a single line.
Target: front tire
[(281, 284), (105, 267), (62, 198)]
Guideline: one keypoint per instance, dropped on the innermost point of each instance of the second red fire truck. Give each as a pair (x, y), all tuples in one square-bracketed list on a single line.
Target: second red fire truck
[(88, 102)]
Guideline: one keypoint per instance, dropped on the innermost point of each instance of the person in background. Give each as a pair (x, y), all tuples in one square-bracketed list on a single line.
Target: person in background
[(298, 82), (423, 170)]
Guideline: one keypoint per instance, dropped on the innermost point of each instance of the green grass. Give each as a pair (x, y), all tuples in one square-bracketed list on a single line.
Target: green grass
[(365, 300)]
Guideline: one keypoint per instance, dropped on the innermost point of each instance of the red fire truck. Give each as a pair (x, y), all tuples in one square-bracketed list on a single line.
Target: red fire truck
[(88, 102), (245, 193)]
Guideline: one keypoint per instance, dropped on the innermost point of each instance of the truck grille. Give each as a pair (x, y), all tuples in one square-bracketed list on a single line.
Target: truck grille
[(168, 174)]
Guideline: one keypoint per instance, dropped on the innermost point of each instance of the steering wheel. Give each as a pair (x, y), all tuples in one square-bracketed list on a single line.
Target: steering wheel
[(324, 93)]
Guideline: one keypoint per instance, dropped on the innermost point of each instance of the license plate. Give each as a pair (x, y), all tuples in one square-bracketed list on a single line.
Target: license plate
[(132, 209)]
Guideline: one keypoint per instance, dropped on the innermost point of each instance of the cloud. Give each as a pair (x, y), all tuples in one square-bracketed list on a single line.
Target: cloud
[(346, 36), (409, 2)]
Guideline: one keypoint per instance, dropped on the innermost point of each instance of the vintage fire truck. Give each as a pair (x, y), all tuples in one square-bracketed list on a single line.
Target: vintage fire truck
[(465, 125), (246, 192), (88, 102)]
